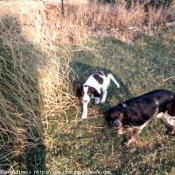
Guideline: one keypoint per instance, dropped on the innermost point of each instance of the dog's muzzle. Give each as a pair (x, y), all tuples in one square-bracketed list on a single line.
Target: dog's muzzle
[(117, 123)]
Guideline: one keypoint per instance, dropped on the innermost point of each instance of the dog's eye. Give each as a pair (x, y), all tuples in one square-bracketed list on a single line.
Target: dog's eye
[(112, 116), (120, 115)]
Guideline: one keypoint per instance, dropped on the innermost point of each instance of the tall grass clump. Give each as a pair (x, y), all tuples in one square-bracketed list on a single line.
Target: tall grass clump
[(20, 125), (35, 85)]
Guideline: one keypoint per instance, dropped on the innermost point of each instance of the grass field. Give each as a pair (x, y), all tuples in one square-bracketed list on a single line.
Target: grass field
[(41, 131), (145, 65)]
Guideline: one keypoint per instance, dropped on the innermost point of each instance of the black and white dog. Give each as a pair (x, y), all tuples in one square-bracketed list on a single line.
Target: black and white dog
[(134, 114), (92, 88)]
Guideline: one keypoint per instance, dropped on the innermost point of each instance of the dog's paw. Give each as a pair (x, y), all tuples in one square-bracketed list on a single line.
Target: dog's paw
[(125, 144), (84, 116), (171, 133), (102, 101), (97, 101)]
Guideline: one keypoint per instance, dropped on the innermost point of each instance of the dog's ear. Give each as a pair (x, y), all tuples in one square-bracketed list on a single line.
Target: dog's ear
[(79, 91), (171, 108), (94, 91), (107, 117)]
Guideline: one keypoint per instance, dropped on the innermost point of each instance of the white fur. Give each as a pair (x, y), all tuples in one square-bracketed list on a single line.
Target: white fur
[(170, 119), (91, 81)]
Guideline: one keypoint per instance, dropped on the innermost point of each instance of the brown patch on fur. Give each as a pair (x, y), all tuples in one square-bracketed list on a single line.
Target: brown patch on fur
[(98, 78), (102, 73), (94, 91), (106, 74), (79, 92)]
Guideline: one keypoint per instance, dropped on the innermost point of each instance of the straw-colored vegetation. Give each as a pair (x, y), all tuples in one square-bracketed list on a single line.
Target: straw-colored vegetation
[(42, 55), (34, 83)]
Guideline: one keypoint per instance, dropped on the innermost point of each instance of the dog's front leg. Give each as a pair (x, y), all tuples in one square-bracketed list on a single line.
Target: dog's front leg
[(104, 96), (121, 131), (85, 110), (133, 137)]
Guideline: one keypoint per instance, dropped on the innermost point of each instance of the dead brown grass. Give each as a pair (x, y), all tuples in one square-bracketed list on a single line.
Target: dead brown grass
[(35, 82), (86, 20), (94, 19)]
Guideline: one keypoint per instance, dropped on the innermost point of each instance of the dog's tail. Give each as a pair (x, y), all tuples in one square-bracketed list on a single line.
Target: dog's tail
[(113, 79)]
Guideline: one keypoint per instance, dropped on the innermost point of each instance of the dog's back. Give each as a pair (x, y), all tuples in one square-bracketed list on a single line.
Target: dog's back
[(148, 105)]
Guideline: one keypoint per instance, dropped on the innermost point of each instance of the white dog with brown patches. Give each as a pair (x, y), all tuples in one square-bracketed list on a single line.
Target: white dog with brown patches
[(96, 84)]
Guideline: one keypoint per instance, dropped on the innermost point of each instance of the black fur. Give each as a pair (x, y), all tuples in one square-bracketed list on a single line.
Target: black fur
[(135, 112)]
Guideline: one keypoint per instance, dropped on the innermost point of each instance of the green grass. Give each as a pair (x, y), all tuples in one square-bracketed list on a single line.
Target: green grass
[(147, 63)]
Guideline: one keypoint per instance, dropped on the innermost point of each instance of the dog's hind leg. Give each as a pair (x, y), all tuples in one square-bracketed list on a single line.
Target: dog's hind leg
[(173, 131)]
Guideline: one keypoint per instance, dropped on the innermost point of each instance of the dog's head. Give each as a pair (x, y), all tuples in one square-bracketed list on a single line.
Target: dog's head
[(85, 92), (171, 108), (115, 115)]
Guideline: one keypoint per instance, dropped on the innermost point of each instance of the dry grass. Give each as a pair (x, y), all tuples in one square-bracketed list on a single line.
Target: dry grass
[(83, 21), (98, 20), (35, 84)]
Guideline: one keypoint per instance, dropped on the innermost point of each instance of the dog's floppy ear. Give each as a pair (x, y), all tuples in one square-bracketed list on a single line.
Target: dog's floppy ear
[(171, 108), (79, 91), (94, 91), (107, 117)]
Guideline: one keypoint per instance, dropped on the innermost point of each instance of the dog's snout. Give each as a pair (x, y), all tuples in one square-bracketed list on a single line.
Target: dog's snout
[(117, 123), (85, 101)]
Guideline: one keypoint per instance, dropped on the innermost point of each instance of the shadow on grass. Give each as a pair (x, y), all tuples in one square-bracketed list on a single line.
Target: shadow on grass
[(84, 70), (21, 139)]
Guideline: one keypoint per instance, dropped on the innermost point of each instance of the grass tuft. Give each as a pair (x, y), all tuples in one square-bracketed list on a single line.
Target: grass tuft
[(35, 85)]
